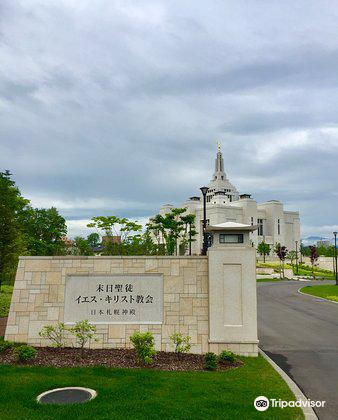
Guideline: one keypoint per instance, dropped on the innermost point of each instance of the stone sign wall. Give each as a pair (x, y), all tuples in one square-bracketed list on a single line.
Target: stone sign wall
[(47, 288), (211, 299)]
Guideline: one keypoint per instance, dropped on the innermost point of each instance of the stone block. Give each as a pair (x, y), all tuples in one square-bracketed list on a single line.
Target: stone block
[(202, 310), (19, 307), (53, 313), (173, 284), (53, 277), (102, 266), (35, 327), (190, 275), (151, 265), (43, 264), (186, 307), (174, 268), (116, 331), (203, 327), (36, 278), (11, 329)]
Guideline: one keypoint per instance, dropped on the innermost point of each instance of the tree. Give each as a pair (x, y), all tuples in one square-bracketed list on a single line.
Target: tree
[(12, 242), (326, 251), (108, 225), (128, 228), (25, 230), (264, 249), (281, 252), (313, 259), (291, 256), (305, 251), (189, 231), (93, 239), (82, 246), (169, 227), (44, 231), (142, 244), (114, 226)]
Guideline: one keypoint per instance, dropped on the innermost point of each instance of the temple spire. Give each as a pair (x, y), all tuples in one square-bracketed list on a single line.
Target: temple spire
[(219, 165)]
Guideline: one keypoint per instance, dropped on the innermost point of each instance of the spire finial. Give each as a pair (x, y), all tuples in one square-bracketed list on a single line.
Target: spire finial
[(219, 146)]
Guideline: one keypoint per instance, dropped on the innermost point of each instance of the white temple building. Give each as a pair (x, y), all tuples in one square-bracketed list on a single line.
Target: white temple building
[(225, 204)]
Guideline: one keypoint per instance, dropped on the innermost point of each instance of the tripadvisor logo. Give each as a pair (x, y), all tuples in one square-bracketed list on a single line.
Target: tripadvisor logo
[(262, 403)]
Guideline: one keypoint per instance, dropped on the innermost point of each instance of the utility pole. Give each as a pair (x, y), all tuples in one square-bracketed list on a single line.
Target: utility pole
[(335, 257), (296, 257), (204, 192)]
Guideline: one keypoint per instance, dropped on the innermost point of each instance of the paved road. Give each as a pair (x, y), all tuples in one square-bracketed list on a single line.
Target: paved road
[(300, 333)]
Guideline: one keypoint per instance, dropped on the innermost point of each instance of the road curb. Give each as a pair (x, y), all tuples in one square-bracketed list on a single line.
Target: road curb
[(309, 414), (315, 297)]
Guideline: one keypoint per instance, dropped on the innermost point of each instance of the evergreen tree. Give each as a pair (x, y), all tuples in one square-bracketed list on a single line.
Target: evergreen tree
[(12, 242)]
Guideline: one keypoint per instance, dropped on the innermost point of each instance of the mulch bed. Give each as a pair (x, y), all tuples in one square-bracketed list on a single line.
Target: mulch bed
[(122, 358)]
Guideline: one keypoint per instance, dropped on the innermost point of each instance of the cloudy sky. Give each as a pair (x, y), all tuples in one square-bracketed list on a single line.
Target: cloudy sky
[(115, 107)]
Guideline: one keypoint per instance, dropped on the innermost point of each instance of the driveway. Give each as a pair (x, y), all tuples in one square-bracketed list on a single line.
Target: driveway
[(300, 333)]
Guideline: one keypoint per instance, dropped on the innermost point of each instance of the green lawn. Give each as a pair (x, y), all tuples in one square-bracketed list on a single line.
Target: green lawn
[(307, 271), (327, 291), (135, 394), (5, 299)]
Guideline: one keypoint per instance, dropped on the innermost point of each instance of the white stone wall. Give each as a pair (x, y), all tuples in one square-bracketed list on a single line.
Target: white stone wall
[(39, 300)]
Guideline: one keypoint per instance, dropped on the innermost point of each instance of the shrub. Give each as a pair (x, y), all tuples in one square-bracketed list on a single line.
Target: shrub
[(144, 346), (210, 361), (4, 344), (228, 356), (83, 331), (56, 334), (182, 344), (24, 353)]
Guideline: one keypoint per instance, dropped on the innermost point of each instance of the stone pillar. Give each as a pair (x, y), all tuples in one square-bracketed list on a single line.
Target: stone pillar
[(232, 290)]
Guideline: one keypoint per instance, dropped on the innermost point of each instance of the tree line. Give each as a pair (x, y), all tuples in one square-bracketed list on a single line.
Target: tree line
[(265, 249), (25, 230)]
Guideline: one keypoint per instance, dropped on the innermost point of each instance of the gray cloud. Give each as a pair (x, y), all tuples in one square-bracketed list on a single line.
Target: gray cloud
[(115, 107)]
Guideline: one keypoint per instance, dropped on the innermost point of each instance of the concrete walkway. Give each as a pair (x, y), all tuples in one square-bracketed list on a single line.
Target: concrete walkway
[(300, 333)]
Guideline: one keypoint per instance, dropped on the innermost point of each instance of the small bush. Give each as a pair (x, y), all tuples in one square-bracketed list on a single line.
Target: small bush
[(144, 346), (24, 353), (83, 331), (4, 344), (210, 361), (228, 356), (182, 344), (56, 334)]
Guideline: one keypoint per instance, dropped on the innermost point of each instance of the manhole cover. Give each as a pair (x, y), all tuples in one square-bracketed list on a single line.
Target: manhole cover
[(70, 395)]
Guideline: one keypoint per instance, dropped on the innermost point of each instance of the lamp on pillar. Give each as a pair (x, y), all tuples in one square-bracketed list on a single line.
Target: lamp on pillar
[(204, 191)]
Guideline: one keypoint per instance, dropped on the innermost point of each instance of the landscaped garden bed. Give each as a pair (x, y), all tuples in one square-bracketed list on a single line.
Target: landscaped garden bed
[(123, 358)]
